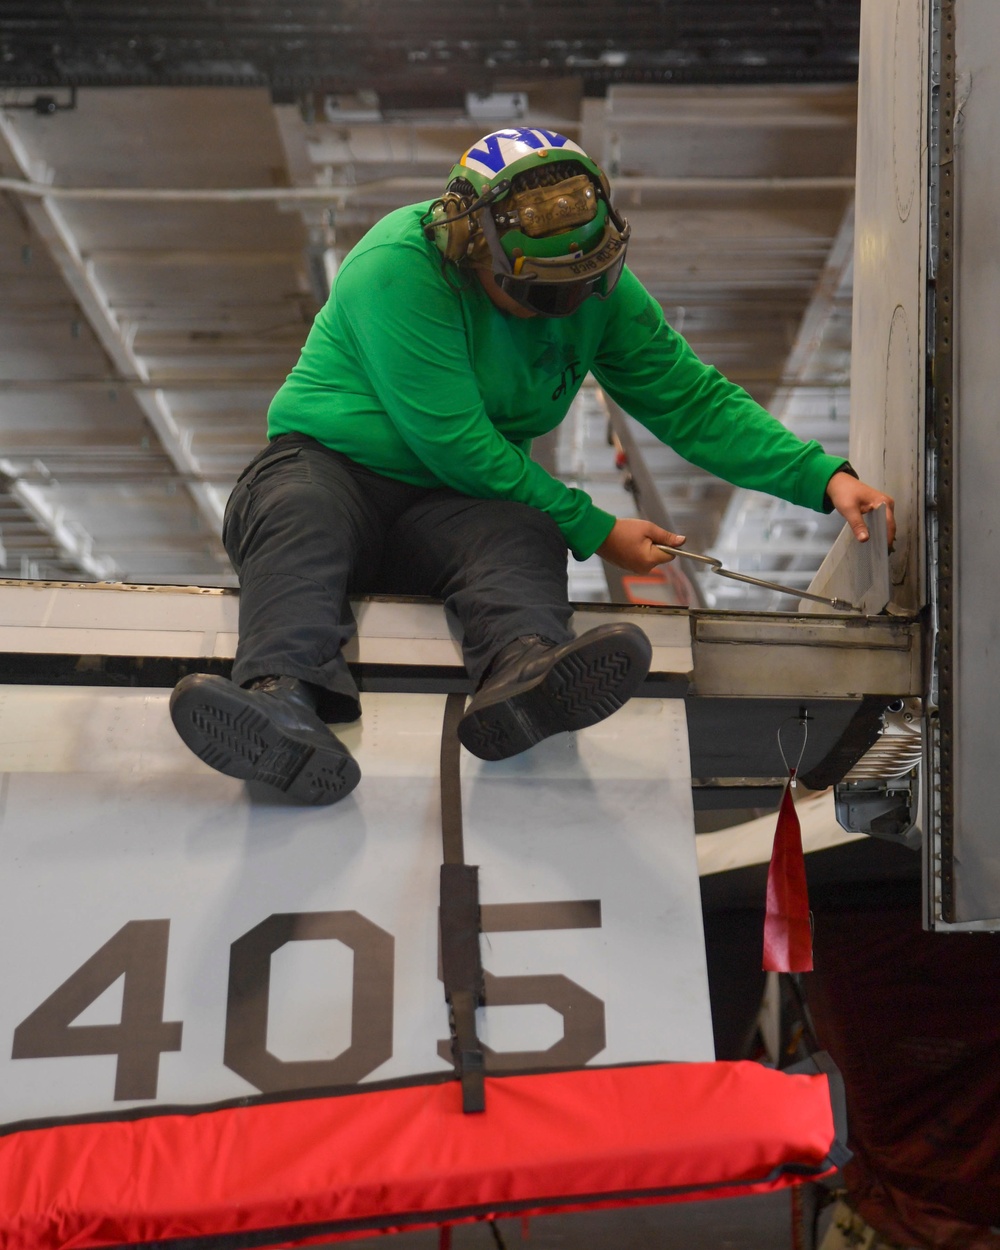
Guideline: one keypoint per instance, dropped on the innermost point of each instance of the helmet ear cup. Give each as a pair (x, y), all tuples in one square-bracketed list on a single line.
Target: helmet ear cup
[(451, 226)]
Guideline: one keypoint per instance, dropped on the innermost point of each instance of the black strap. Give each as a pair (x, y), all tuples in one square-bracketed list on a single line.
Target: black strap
[(840, 1152), (461, 962)]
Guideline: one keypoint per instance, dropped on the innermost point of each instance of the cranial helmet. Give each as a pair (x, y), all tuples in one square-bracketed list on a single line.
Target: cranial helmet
[(532, 206)]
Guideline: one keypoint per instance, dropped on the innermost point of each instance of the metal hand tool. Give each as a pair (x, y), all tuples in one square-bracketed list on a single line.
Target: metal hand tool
[(841, 605)]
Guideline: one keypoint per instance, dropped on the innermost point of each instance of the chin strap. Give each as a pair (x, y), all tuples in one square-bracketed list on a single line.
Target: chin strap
[(501, 264)]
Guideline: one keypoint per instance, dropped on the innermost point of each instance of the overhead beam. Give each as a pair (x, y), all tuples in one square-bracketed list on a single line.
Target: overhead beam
[(826, 300), (73, 543), (115, 337), (335, 193)]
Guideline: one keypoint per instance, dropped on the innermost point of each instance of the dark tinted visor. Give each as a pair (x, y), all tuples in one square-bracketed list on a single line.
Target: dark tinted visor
[(560, 299)]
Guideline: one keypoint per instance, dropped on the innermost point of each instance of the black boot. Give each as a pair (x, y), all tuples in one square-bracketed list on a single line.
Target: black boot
[(268, 732), (536, 689)]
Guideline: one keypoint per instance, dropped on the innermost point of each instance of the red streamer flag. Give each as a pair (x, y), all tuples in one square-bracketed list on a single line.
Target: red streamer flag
[(787, 928)]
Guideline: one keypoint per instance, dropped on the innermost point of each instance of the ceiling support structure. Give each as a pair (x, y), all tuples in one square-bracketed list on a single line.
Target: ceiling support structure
[(749, 512), (735, 235), (317, 218), (341, 193), (115, 338), (74, 544), (833, 284)]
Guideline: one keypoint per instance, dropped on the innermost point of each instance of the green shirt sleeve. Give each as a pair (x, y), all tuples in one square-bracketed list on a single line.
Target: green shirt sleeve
[(408, 329), (649, 369)]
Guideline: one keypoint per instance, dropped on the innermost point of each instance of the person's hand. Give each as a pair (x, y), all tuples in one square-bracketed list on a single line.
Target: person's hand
[(852, 499), (631, 545)]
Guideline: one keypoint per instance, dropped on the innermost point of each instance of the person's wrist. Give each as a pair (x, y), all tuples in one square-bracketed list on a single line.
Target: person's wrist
[(847, 468)]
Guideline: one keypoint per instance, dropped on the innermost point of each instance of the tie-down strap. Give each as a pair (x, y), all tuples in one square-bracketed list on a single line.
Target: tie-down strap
[(461, 961)]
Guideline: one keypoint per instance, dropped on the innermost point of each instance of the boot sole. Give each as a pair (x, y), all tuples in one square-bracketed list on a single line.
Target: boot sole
[(235, 736), (582, 688)]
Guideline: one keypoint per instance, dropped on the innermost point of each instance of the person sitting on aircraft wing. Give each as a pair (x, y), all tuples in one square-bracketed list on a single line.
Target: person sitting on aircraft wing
[(455, 333)]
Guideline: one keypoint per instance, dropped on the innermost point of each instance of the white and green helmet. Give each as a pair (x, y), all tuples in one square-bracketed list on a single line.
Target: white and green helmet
[(541, 210)]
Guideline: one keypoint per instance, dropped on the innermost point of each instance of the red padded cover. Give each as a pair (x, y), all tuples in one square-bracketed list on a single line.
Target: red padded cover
[(406, 1156)]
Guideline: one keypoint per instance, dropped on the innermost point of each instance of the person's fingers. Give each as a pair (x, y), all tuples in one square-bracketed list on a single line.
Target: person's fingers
[(853, 506), (667, 539), (662, 538), (870, 505), (890, 521), (853, 499), (638, 545), (852, 514)]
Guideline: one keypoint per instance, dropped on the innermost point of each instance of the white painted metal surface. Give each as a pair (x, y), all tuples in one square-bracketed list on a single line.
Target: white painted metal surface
[(857, 572), (190, 622), (976, 670), (107, 820), (817, 656), (887, 365)]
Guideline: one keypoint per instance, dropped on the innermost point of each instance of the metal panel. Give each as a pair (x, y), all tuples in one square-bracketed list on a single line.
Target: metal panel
[(742, 674), (970, 470), (769, 656), (856, 572), (928, 175), (107, 820), (887, 370), (774, 656), (180, 621)]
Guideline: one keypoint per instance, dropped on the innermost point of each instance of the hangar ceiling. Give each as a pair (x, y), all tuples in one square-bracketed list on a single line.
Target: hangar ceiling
[(425, 52), (177, 183)]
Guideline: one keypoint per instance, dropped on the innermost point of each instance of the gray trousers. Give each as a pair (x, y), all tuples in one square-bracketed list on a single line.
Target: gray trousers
[(306, 526)]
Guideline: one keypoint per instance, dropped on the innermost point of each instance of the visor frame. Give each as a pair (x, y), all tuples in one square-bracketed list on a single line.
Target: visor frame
[(556, 286)]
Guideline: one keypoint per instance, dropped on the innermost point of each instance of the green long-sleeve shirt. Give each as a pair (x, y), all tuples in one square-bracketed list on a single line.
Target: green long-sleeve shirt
[(425, 380)]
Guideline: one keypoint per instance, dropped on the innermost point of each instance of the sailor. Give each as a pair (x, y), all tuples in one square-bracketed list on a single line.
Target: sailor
[(399, 461)]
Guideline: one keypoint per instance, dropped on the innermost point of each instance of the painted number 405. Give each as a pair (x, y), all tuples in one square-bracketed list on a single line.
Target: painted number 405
[(138, 952)]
